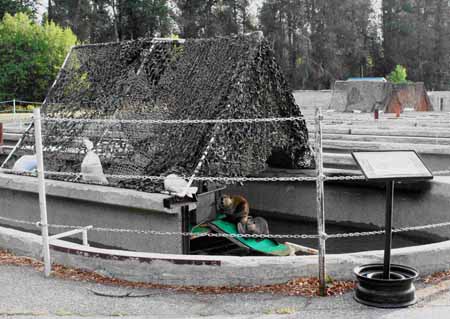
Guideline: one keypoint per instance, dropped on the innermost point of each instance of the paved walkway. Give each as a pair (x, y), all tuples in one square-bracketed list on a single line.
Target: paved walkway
[(25, 293)]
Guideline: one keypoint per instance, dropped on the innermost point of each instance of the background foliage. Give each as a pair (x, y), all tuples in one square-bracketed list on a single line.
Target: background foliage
[(30, 56), (315, 41), (398, 75)]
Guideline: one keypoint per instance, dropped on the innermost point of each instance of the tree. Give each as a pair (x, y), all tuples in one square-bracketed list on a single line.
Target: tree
[(30, 56), (210, 18), (73, 14), (416, 35), (15, 6), (112, 20), (138, 18), (398, 75), (319, 41)]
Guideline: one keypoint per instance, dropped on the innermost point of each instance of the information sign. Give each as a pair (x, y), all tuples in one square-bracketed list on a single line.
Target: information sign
[(391, 165)]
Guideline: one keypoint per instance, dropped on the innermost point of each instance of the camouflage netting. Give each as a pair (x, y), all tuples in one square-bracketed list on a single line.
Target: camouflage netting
[(221, 78)]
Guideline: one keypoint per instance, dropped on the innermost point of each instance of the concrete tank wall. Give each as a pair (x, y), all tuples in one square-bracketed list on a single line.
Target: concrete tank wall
[(82, 205), (309, 99), (355, 202), (440, 100), (363, 96)]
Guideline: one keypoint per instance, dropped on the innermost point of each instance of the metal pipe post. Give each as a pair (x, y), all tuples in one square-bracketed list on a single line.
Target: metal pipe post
[(320, 202), (14, 110), (388, 229), (85, 237), (41, 185), (185, 227)]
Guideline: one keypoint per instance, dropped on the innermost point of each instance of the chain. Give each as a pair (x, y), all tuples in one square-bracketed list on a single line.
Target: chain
[(189, 234), (412, 228), (395, 230), (356, 234), (441, 173), (272, 236), (345, 178), (160, 178), (18, 221), (216, 179), (196, 121)]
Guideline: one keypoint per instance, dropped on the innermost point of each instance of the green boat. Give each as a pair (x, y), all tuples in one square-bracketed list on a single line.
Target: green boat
[(266, 246)]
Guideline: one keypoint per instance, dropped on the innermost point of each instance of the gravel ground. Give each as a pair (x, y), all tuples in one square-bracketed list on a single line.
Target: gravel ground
[(25, 293)]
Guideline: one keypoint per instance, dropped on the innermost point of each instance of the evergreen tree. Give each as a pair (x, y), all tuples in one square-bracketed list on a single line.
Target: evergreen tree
[(15, 6), (319, 41), (209, 18), (417, 35)]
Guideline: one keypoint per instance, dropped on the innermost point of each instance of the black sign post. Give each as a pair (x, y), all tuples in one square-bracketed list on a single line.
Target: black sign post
[(388, 229), (388, 285)]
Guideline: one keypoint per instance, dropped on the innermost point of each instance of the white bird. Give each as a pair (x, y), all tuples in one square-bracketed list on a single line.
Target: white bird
[(175, 184)]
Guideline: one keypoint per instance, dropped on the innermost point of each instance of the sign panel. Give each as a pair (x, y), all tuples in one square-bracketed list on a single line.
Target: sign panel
[(389, 165)]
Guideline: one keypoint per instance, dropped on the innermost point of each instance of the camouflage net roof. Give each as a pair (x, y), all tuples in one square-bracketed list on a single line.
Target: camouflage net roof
[(222, 78)]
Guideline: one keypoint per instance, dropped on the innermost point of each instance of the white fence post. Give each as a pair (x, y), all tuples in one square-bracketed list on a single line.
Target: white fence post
[(320, 202), (14, 110), (42, 194)]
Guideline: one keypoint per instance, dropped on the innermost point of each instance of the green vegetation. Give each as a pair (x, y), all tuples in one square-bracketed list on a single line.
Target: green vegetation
[(315, 42), (30, 56), (16, 6), (398, 75)]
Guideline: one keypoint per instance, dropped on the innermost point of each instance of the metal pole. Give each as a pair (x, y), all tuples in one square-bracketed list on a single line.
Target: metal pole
[(388, 229), (185, 227), (85, 237), (41, 185), (320, 202), (58, 75), (199, 164), (14, 110)]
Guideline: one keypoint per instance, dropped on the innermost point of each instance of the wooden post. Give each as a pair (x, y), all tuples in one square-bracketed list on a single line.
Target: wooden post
[(320, 202), (41, 186)]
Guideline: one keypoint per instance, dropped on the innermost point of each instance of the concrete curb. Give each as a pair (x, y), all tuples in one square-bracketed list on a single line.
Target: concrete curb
[(217, 270)]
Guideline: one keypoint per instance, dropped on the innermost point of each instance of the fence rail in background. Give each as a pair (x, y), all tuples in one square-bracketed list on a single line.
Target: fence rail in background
[(15, 103)]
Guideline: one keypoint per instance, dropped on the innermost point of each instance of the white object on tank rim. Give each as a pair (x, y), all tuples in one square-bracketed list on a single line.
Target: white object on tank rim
[(176, 184), (91, 167)]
